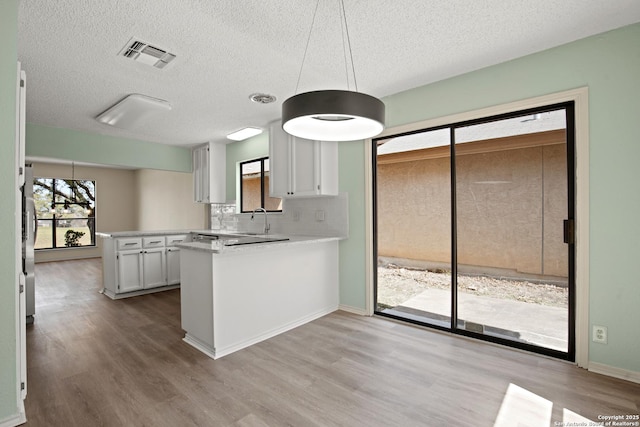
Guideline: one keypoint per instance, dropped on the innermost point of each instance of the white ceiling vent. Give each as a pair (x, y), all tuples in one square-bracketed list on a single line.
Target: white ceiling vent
[(143, 52)]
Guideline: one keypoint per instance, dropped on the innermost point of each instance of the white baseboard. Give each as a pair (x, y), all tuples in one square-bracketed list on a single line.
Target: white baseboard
[(612, 371), (14, 420), (230, 348), (199, 345), (216, 353), (115, 296), (354, 310)]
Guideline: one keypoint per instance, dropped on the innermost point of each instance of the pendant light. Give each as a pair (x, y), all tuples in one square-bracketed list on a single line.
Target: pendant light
[(333, 115)]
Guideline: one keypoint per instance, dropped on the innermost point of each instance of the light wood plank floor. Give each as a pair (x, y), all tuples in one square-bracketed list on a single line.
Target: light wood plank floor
[(97, 362)]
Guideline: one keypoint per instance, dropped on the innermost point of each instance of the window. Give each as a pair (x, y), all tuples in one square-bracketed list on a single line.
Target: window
[(254, 187), (65, 212)]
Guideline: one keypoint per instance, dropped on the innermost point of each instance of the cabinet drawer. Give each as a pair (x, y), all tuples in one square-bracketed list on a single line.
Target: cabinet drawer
[(153, 242), (129, 243), (177, 238)]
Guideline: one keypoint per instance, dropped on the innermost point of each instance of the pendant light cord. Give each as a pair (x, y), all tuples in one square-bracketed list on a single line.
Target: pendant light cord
[(306, 48), (346, 28), (345, 46)]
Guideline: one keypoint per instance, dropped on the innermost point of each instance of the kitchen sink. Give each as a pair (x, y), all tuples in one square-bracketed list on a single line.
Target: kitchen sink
[(252, 240)]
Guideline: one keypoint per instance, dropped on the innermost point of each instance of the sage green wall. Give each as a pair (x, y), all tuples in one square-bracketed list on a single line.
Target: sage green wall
[(8, 208), (351, 166), (352, 261), (58, 143), (609, 64)]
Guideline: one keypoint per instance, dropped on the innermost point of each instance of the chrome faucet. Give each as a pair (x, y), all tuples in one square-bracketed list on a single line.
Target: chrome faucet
[(266, 224)]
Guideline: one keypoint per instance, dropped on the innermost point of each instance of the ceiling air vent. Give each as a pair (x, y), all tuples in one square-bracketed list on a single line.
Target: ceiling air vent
[(143, 52)]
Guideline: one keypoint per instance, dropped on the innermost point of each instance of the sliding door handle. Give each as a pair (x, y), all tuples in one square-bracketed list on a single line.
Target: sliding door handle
[(569, 231)]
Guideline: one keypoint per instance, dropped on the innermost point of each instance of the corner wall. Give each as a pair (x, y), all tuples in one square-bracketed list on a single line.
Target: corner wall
[(165, 201), (609, 64), (128, 199), (116, 207), (69, 144), (9, 212)]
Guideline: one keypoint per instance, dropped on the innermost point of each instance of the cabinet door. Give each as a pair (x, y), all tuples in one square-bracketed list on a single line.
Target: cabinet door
[(154, 272), (173, 266), (129, 271), (201, 174), (217, 172), (279, 170), (304, 167), (197, 180), (328, 168)]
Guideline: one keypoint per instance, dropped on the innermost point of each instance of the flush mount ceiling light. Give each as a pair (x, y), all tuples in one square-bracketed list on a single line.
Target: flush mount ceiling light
[(130, 110), (333, 115), (243, 134)]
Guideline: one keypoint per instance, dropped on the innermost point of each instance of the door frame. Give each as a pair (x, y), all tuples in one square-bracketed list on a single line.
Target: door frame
[(580, 97)]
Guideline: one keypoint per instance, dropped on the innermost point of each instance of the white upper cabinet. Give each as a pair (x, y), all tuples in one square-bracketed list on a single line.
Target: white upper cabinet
[(210, 173), (301, 167)]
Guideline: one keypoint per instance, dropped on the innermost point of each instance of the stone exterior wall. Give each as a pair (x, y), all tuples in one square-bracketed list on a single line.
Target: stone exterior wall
[(511, 204), (251, 194)]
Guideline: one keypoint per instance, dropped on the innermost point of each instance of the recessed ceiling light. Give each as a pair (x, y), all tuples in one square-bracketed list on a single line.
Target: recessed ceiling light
[(243, 134), (262, 98)]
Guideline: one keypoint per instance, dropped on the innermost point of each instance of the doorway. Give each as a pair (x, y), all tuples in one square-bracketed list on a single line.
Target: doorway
[(473, 228)]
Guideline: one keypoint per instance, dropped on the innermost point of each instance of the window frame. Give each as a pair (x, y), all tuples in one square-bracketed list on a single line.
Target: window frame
[(56, 216), (262, 185)]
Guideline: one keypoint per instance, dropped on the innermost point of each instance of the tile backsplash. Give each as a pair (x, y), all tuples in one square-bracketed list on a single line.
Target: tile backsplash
[(312, 216)]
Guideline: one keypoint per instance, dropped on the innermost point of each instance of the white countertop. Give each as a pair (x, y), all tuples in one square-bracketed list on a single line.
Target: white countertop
[(138, 233), (218, 246)]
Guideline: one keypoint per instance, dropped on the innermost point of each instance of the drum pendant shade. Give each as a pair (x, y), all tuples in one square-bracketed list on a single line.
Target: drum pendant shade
[(333, 115)]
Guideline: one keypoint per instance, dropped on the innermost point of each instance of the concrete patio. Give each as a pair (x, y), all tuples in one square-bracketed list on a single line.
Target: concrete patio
[(531, 323)]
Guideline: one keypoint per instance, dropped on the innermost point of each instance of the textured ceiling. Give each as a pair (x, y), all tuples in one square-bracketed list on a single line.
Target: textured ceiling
[(227, 50)]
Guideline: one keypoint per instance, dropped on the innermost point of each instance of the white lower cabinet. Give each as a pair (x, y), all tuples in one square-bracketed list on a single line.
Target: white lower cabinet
[(173, 266), (133, 265), (173, 257), (154, 268), (129, 271)]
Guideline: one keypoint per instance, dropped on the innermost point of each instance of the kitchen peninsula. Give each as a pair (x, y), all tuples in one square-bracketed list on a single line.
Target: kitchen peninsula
[(236, 294)]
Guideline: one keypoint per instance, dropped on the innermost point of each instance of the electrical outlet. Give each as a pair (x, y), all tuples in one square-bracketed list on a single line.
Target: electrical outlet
[(600, 334)]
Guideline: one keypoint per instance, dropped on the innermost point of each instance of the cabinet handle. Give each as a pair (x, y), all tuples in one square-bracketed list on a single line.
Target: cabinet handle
[(131, 243), (156, 241)]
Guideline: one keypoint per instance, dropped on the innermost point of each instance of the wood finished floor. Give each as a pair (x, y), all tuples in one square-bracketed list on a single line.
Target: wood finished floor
[(97, 362)]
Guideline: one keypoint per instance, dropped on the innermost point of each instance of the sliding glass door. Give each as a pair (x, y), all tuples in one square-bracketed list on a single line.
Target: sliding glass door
[(414, 223), (473, 228)]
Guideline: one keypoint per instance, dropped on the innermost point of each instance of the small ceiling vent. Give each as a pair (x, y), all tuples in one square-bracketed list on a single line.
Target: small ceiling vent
[(143, 52)]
